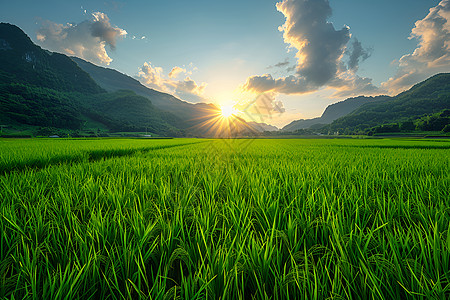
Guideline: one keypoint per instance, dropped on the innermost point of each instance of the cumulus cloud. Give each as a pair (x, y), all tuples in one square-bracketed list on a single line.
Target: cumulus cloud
[(152, 76), (286, 85), (319, 46), (176, 71), (87, 40), (186, 89), (321, 52), (347, 84), (102, 29), (188, 86), (432, 54)]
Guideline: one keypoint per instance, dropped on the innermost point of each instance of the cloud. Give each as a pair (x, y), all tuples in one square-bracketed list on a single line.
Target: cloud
[(320, 52), (102, 29), (152, 76), (348, 84), (186, 89), (319, 46), (357, 54), (286, 85), (87, 40), (432, 54), (176, 71), (189, 86), (280, 64)]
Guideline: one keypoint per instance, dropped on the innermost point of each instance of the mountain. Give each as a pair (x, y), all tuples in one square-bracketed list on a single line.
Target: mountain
[(112, 80), (191, 114), (428, 97), (333, 112), (21, 61), (39, 88), (194, 118), (261, 127)]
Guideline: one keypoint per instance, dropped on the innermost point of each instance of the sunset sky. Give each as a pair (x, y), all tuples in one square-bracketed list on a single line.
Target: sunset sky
[(304, 54)]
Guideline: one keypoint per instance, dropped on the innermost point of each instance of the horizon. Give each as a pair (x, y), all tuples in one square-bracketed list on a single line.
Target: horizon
[(237, 54)]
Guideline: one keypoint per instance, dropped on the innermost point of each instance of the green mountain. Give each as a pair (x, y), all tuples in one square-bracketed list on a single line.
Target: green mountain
[(21, 61), (428, 97), (333, 112), (39, 88), (112, 80), (124, 110), (192, 116)]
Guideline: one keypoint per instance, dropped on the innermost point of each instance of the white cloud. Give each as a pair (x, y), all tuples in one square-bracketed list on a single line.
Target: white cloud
[(87, 40), (186, 89), (176, 71), (152, 76), (324, 57), (432, 54)]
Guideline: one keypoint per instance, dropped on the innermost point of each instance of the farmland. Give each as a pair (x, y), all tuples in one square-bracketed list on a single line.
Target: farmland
[(229, 219)]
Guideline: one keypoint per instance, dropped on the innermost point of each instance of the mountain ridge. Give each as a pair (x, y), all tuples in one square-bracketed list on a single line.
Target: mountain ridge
[(332, 112)]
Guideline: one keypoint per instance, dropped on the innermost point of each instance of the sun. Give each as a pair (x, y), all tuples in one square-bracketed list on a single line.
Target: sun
[(228, 110)]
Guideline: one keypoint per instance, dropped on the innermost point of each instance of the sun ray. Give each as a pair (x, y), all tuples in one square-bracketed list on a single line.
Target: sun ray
[(223, 122), (228, 111)]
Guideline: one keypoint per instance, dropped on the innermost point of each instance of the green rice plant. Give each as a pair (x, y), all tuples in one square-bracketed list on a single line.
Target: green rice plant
[(225, 219)]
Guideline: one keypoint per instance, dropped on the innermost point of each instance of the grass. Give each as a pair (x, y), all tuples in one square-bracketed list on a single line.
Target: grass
[(225, 219)]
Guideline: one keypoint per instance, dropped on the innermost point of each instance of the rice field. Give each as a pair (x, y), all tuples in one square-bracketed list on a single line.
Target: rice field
[(224, 219)]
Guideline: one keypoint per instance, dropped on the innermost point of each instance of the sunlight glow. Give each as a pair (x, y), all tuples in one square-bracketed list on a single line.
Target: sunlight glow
[(223, 121), (228, 110)]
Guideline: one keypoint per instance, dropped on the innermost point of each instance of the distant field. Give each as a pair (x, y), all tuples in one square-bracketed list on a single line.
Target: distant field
[(225, 219)]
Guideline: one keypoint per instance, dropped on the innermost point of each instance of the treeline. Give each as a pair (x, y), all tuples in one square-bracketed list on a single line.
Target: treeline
[(438, 122), (56, 111), (39, 106)]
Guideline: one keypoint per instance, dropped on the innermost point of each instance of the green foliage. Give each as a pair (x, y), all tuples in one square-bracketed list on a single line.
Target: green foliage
[(124, 110), (435, 122), (428, 97), (27, 63), (225, 219), (38, 106)]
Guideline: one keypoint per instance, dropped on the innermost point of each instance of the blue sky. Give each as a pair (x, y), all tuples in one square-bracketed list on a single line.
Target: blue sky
[(219, 45)]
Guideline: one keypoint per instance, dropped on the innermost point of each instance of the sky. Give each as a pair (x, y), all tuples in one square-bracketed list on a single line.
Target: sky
[(301, 55)]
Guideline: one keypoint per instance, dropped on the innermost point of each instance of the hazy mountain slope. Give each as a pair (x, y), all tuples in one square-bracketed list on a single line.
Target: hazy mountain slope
[(342, 108), (427, 97), (113, 80), (301, 124), (333, 112), (261, 127), (124, 110)]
